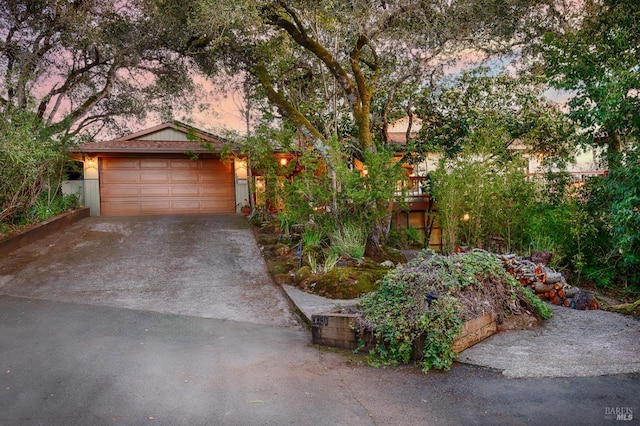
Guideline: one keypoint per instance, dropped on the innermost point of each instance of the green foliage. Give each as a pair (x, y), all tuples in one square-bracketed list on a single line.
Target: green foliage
[(623, 185), (467, 286), (413, 236), (611, 208), (31, 164), (364, 199), (349, 241), (599, 63), (309, 193), (405, 238), (48, 205), (483, 197), (481, 200), (593, 231), (478, 106), (440, 330), (312, 238), (66, 62)]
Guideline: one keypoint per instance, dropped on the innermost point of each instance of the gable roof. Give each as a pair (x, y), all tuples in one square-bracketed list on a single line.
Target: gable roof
[(165, 138)]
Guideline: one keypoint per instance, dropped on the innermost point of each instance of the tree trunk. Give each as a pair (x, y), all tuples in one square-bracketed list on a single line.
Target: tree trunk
[(375, 248)]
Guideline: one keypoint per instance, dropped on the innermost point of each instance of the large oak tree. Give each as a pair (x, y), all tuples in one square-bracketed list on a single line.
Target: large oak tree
[(337, 69)]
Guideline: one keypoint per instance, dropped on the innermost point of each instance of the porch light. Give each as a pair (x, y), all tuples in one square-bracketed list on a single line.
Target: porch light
[(91, 162), (283, 161)]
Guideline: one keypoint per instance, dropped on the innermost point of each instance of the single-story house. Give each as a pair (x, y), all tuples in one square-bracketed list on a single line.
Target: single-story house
[(171, 168)]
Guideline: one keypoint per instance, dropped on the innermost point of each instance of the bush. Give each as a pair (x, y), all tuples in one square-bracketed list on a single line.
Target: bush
[(31, 162), (462, 286), (483, 199), (349, 241)]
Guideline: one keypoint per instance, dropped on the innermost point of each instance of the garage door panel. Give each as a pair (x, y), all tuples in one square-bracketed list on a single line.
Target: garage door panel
[(187, 205), (154, 164), (186, 176), (120, 208), (120, 163), (216, 191), (120, 176), (185, 190), (155, 206), (180, 164), (215, 180), (154, 176), (154, 191), (161, 186), (117, 191)]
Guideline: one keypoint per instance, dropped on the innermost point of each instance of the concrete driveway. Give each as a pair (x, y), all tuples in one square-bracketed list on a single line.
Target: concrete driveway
[(199, 265)]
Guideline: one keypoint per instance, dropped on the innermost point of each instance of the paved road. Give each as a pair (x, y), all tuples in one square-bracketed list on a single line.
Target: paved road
[(72, 360), (77, 364)]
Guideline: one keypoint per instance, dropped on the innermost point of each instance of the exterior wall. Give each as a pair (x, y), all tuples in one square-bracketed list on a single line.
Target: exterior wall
[(92, 185), (74, 187), (242, 184), (165, 135)]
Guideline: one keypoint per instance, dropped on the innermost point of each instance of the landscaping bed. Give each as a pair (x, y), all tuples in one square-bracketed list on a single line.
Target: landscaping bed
[(346, 279), (427, 310)]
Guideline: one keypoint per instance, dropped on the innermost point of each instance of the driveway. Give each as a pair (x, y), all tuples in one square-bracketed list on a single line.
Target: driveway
[(198, 265)]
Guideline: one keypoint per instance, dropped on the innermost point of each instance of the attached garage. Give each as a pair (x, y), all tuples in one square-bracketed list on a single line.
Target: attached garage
[(169, 169), (135, 186)]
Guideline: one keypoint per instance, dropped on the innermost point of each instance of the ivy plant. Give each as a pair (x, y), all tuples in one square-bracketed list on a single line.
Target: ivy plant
[(420, 307)]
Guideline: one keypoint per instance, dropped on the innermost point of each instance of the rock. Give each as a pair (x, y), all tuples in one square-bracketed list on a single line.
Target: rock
[(387, 264), (585, 301)]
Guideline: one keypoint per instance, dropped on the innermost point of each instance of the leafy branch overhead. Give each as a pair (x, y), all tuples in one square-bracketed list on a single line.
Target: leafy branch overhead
[(84, 66), (353, 54)]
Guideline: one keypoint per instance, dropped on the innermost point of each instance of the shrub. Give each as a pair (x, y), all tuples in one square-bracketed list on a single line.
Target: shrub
[(349, 241), (465, 286), (31, 162)]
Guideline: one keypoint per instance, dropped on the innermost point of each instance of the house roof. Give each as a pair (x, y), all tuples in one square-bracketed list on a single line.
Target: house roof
[(166, 138), (397, 131)]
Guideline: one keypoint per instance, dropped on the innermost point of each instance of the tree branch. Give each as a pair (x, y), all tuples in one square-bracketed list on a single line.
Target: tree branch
[(298, 33)]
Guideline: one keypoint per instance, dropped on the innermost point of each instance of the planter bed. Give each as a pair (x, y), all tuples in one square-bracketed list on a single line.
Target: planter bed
[(333, 329)]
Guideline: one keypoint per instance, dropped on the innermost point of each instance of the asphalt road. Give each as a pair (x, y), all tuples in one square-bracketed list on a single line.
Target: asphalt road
[(78, 364)]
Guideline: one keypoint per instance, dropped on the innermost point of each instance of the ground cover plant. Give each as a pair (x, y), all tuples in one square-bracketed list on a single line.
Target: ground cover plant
[(429, 298)]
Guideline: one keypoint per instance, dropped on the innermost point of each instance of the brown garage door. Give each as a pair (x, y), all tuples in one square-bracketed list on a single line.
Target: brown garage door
[(139, 186)]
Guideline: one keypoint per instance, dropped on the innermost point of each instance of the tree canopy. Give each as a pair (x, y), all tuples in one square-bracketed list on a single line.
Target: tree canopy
[(599, 62), (333, 68), (514, 107), (81, 66)]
